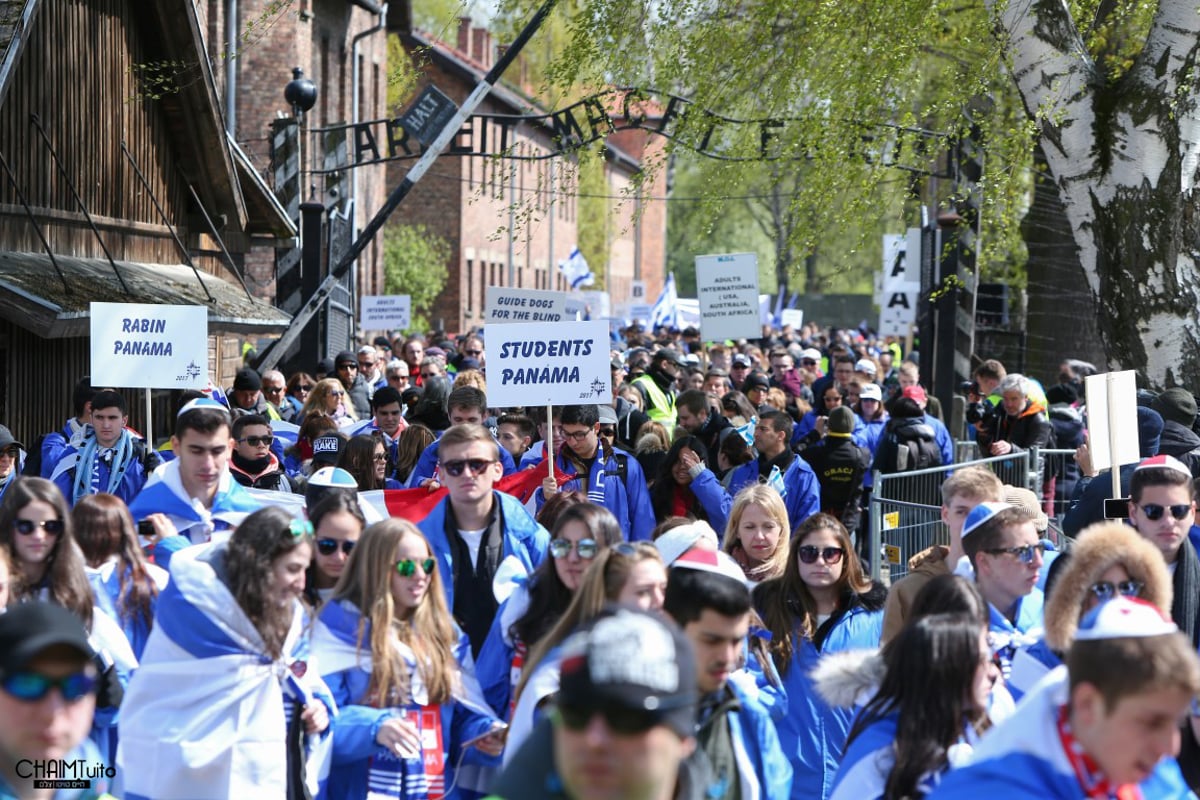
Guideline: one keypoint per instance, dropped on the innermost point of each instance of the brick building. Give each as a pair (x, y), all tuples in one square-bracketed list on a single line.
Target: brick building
[(466, 198)]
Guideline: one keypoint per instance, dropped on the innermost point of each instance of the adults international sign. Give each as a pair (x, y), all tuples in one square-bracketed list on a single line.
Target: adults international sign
[(727, 286)]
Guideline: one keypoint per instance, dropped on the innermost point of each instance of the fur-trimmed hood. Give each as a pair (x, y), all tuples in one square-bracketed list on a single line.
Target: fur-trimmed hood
[(849, 678), (875, 598), (1098, 548)]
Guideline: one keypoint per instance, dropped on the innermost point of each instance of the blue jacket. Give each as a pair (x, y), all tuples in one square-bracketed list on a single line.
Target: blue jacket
[(63, 468), (523, 537), (870, 758), (494, 667), (355, 727), (428, 462), (869, 436), (803, 491), (629, 501), (756, 744), (811, 732), (941, 435)]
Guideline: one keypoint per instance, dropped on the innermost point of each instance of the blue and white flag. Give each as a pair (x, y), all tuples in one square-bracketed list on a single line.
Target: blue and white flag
[(576, 270), (665, 312)]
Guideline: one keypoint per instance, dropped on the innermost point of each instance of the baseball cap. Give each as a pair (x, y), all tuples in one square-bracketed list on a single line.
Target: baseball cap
[(29, 628), (684, 538), (811, 354), (714, 561), (326, 449), (7, 440), (630, 660), (980, 514), (742, 360), (1124, 618), (667, 354), (871, 392), (865, 365), (756, 380), (915, 392), (345, 357)]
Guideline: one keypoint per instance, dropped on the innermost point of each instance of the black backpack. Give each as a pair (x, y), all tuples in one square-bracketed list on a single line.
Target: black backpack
[(913, 451)]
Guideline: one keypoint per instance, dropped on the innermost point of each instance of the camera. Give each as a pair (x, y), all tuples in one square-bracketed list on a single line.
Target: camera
[(980, 411)]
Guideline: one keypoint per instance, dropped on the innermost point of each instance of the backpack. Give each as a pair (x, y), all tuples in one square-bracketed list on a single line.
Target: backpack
[(913, 452)]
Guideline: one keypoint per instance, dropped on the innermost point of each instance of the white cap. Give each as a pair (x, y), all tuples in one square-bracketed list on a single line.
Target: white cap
[(811, 353), (714, 561), (871, 392), (865, 365), (1124, 618)]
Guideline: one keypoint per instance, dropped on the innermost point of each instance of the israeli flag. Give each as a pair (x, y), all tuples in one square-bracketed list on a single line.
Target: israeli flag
[(576, 270), (665, 312)]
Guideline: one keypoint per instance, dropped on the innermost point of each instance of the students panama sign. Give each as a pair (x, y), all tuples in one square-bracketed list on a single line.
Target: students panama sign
[(537, 364)]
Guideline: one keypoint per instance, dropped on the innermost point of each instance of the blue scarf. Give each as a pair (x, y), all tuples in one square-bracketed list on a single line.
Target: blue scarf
[(87, 471)]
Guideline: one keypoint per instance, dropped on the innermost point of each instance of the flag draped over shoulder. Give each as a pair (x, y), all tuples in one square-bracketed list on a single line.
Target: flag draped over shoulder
[(415, 504)]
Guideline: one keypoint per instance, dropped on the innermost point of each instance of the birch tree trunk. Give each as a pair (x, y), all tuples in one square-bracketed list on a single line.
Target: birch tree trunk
[(1124, 156)]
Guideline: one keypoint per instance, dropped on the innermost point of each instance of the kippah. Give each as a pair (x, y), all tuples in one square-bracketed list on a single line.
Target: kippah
[(981, 514), (1124, 618)]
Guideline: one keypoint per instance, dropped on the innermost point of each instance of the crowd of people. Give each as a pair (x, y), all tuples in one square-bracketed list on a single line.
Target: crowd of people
[(366, 582)]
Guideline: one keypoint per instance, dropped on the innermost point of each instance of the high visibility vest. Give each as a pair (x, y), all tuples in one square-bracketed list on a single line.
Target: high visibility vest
[(661, 407)]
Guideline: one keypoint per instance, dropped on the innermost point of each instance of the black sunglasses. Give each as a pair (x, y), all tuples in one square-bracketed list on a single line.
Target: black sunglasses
[(1154, 511), (476, 465), (328, 547), (621, 721), (831, 555), (407, 567), (257, 441), (30, 687), (1107, 590), (1024, 553), (26, 526)]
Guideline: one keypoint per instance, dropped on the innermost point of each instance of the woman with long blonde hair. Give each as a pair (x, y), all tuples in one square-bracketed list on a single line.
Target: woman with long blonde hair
[(756, 535), (628, 573), (329, 398), (392, 656), (821, 604)]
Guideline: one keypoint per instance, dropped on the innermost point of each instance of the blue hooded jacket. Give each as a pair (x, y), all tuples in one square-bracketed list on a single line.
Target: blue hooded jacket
[(811, 732), (629, 501), (802, 500)]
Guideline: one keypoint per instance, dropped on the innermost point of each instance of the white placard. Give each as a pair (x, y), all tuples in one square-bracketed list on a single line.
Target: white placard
[(544, 363), (727, 287), (385, 312), (1112, 418), (597, 304), (148, 346), (793, 317), (899, 310), (506, 305)]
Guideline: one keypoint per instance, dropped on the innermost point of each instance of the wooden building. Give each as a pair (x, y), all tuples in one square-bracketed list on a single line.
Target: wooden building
[(119, 184)]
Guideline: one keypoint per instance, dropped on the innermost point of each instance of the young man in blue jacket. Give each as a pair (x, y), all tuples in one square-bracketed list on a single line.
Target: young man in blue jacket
[(476, 527), (614, 480), (707, 595), (109, 459)]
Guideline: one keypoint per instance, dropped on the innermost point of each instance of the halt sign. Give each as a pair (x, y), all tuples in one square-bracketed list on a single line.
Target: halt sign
[(149, 346), (548, 363)]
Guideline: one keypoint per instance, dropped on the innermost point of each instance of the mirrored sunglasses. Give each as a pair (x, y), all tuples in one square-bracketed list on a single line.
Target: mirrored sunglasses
[(476, 465), (1154, 511), (30, 687), (585, 548), (328, 547), (26, 526), (1107, 590), (407, 567)]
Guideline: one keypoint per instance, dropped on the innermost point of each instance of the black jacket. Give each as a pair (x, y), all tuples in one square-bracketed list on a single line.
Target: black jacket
[(840, 465), (1182, 443)]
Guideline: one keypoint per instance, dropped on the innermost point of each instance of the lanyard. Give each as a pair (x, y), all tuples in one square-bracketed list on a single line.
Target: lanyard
[(1091, 779)]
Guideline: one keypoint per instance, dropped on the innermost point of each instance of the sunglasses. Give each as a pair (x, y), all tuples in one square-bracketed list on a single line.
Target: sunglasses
[(305, 388), (586, 548), (30, 687), (337, 392), (328, 547), (830, 555), (257, 441), (1154, 511), (475, 465), (407, 567), (428, 375), (11, 452), (1024, 553), (473, 353), (608, 432), (300, 527), (1107, 590), (380, 457), (26, 526), (347, 366), (621, 721)]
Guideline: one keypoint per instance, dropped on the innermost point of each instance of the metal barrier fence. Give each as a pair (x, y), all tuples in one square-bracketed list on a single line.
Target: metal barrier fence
[(906, 508)]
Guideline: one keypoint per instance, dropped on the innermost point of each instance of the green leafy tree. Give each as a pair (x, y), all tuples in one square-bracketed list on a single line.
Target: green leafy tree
[(415, 262)]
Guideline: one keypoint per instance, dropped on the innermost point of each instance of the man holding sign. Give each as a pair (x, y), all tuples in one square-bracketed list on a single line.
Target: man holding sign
[(614, 480)]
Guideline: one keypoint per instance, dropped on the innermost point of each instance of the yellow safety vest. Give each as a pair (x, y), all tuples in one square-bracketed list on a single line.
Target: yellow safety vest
[(662, 405)]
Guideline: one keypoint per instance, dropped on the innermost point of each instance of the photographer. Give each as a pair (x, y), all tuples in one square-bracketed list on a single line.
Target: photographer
[(1021, 422)]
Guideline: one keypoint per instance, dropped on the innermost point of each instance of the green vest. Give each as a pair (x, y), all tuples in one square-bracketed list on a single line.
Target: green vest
[(661, 406)]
